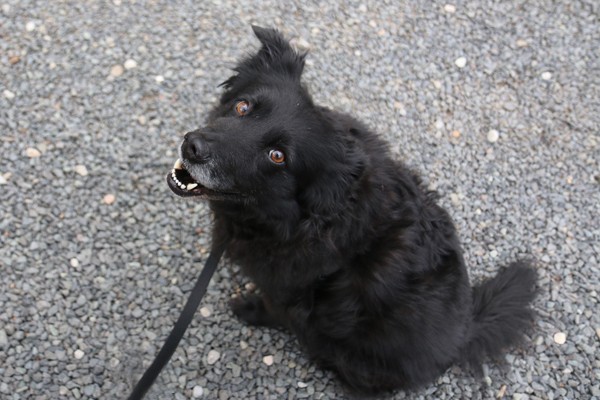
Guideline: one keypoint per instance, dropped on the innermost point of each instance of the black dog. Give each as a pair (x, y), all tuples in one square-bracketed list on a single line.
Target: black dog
[(351, 253)]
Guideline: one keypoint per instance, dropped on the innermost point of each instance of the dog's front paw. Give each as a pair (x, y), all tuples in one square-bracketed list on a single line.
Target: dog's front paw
[(252, 310)]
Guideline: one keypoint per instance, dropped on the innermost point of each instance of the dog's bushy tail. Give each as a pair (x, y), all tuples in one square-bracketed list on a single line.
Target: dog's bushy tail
[(501, 313)]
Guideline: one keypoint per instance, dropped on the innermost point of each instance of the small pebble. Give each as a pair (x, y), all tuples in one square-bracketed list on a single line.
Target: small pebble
[(205, 312), (78, 354), (460, 62), (243, 345), (116, 71), (268, 360), (3, 180), (250, 286), (598, 332), (14, 59), (560, 337), (439, 124), (3, 339), (74, 262), (521, 43), (501, 392), (142, 120), (454, 199), (455, 134), (197, 392), (8, 94), (30, 26), (302, 385), (493, 136), (159, 78), (302, 44), (450, 8), (81, 170), (546, 76), (212, 357), (32, 153), (130, 64), (109, 199)]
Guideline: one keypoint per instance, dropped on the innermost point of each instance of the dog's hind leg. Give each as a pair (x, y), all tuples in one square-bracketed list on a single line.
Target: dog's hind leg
[(254, 310)]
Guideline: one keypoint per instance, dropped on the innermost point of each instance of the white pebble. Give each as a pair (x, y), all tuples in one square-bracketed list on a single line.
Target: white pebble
[(302, 385), (205, 312), (81, 170), (450, 8), (454, 199), (439, 124), (198, 391), (32, 153), (598, 332), (109, 199), (116, 71), (302, 44), (3, 180), (30, 26), (8, 94), (268, 360), (130, 64), (159, 78), (78, 354), (243, 344), (493, 136), (493, 254), (546, 75), (460, 62), (74, 262), (560, 337), (212, 357)]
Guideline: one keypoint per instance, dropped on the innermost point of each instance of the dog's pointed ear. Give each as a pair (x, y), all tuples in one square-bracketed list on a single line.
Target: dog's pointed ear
[(277, 54)]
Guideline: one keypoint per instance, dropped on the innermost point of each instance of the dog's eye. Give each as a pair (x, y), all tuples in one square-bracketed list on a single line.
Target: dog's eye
[(277, 156), (242, 107)]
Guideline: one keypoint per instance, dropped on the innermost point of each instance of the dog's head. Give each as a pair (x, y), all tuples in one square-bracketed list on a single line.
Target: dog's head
[(265, 144)]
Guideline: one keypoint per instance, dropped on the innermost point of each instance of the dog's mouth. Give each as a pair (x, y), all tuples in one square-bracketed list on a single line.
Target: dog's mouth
[(182, 183)]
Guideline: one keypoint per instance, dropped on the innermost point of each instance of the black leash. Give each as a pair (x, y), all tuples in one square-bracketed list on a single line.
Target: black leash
[(186, 316)]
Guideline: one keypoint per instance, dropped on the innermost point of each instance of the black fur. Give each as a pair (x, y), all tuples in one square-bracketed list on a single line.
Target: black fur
[(350, 252)]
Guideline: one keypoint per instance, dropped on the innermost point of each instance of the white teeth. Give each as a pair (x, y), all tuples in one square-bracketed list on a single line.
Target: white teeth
[(178, 165), (181, 185)]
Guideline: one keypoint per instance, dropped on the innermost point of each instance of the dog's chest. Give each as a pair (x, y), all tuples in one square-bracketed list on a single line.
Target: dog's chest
[(279, 270)]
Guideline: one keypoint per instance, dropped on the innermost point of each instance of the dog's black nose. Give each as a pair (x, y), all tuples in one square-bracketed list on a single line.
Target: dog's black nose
[(195, 147)]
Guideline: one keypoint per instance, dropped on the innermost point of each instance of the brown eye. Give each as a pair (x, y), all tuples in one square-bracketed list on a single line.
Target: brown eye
[(277, 156), (242, 107)]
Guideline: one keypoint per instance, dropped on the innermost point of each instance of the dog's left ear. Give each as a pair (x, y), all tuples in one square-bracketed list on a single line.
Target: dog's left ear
[(276, 54)]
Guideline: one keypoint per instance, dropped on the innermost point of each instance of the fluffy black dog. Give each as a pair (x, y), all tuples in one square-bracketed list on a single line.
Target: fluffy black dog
[(349, 250)]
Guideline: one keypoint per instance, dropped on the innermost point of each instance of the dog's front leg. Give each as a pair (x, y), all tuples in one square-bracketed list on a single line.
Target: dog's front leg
[(255, 310)]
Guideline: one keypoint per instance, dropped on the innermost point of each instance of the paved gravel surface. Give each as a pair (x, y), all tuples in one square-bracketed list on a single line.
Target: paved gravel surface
[(497, 103)]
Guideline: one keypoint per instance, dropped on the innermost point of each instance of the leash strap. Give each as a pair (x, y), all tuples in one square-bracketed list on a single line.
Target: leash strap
[(186, 316)]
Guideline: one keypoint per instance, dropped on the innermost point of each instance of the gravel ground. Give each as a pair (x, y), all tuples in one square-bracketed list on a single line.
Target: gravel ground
[(497, 103)]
